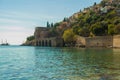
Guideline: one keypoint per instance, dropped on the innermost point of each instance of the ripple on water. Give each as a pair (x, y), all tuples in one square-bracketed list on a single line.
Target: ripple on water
[(41, 63)]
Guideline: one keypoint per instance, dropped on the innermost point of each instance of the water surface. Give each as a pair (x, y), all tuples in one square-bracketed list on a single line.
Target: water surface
[(44, 63)]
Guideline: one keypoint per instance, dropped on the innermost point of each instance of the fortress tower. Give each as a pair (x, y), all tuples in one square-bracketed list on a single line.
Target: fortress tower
[(41, 32)]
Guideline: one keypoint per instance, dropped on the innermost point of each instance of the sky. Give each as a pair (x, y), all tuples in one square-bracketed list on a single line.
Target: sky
[(18, 18)]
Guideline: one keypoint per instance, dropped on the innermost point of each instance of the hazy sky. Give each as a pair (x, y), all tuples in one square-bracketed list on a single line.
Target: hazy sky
[(18, 18)]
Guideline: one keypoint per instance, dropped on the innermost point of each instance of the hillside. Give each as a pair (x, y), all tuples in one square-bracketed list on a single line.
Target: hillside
[(98, 20)]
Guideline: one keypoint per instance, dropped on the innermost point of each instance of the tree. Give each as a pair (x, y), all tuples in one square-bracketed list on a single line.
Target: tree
[(76, 30), (117, 29), (95, 3), (111, 29), (30, 38), (80, 11), (111, 14), (56, 24), (48, 25), (65, 19), (84, 32), (81, 31), (104, 25), (52, 25), (69, 36), (103, 3), (97, 29), (116, 21)]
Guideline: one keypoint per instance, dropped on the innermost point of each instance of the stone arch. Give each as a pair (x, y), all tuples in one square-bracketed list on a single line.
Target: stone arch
[(43, 43), (46, 43), (50, 43), (39, 43)]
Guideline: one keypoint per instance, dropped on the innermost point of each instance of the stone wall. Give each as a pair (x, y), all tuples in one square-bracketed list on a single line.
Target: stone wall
[(80, 42), (43, 38), (99, 41), (49, 42), (41, 32), (116, 41)]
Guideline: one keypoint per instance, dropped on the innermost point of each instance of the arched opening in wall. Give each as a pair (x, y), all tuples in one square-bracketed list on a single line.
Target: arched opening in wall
[(39, 43), (45, 42), (42, 42), (50, 43)]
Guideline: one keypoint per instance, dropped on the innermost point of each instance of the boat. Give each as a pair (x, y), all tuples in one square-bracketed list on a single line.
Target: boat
[(4, 44)]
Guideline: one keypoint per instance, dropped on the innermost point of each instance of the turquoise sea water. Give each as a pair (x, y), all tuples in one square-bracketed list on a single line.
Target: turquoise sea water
[(43, 63)]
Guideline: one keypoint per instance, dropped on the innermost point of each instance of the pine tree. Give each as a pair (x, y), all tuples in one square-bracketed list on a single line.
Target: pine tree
[(95, 3), (52, 25), (80, 10), (48, 25), (65, 19)]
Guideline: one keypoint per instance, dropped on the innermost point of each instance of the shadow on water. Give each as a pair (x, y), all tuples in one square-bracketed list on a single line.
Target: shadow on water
[(75, 64)]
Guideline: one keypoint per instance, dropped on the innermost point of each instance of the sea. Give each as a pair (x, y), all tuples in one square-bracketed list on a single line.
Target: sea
[(61, 63)]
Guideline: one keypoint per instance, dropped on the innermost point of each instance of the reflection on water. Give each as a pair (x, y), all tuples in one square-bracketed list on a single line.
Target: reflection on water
[(44, 63)]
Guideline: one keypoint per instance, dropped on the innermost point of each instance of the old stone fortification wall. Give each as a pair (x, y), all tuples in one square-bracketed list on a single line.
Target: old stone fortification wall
[(43, 38), (116, 41), (41, 32), (99, 41), (49, 42), (80, 42)]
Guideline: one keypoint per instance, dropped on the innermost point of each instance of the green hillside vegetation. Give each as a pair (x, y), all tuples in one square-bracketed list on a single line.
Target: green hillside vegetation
[(30, 38), (101, 19), (97, 24)]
